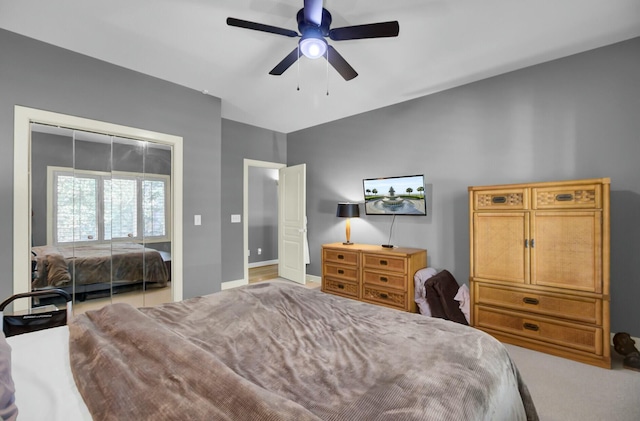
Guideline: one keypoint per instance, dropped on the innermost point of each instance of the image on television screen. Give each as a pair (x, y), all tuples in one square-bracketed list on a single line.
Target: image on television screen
[(395, 195)]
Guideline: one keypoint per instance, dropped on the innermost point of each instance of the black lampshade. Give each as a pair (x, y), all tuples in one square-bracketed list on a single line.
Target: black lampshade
[(348, 210)]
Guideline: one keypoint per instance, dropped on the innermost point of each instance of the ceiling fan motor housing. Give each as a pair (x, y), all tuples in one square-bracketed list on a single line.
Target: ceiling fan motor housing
[(323, 28)]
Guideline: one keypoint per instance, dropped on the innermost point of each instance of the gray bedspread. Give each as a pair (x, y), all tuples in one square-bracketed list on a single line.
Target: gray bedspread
[(275, 351)]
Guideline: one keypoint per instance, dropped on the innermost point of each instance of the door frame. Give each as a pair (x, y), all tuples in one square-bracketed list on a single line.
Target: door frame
[(245, 208), (23, 117)]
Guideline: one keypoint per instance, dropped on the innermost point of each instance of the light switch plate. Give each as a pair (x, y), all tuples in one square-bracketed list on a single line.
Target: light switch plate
[(197, 220), (235, 219)]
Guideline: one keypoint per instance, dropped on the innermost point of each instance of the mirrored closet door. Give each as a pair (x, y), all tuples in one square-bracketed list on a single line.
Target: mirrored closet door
[(100, 216)]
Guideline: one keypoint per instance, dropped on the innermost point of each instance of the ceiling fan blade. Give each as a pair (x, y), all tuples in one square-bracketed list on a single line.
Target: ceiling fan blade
[(313, 11), (285, 63), (261, 27), (371, 30), (340, 64)]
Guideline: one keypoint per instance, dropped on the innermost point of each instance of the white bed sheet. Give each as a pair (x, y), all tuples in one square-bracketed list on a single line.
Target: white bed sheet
[(45, 389)]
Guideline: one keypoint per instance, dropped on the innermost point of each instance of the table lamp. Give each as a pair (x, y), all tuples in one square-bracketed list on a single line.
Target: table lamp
[(348, 210)]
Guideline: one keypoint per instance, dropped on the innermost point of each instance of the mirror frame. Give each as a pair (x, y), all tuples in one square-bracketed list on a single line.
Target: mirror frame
[(23, 117)]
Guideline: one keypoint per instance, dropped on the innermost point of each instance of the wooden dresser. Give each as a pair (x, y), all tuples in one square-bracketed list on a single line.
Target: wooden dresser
[(371, 273), (539, 260)]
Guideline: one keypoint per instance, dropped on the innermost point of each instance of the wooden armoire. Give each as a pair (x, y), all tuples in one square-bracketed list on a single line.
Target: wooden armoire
[(539, 260)]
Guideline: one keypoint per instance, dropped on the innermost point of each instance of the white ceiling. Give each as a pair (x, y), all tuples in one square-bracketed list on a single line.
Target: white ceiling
[(442, 44)]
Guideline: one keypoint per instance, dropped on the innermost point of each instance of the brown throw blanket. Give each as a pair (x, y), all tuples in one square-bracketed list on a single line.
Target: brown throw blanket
[(281, 352)]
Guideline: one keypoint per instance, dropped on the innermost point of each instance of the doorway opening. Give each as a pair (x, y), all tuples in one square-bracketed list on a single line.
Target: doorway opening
[(264, 174)]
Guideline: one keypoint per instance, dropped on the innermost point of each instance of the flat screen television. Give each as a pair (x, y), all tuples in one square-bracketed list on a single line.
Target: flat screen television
[(402, 195)]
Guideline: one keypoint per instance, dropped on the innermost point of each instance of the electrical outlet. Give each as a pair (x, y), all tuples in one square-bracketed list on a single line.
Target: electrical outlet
[(259, 251)]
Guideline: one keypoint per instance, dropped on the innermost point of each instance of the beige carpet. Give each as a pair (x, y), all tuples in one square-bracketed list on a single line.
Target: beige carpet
[(565, 390)]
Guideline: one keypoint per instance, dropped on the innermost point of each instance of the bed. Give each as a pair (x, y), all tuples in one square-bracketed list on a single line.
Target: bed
[(269, 351), (93, 268)]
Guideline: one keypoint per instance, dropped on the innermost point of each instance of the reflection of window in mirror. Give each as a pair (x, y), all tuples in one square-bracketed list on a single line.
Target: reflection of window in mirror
[(120, 206)]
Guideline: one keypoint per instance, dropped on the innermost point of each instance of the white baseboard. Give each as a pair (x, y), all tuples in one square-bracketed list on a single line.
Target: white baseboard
[(263, 263), (233, 284), (314, 278)]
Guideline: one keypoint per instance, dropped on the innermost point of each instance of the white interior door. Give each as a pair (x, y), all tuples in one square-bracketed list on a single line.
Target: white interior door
[(292, 230)]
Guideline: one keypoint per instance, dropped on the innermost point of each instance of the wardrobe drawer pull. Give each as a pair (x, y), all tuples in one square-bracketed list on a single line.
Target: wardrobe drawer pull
[(499, 199), (384, 279), (340, 257), (341, 272), (529, 300), (531, 326), (566, 197), (340, 286), (385, 296), (383, 262)]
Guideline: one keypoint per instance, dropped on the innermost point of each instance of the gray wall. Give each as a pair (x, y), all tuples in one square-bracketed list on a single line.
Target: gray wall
[(263, 214), (38, 75), (240, 141), (577, 117)]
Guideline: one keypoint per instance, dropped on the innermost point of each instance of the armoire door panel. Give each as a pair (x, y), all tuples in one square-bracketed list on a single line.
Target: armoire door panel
[(578, 236), (499, 249)]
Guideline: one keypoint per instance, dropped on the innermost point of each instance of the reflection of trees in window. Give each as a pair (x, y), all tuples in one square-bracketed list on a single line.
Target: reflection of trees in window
[(76, 211), (116, 206)]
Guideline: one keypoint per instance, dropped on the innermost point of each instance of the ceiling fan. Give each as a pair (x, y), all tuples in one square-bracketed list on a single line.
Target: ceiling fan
[(314, 23)]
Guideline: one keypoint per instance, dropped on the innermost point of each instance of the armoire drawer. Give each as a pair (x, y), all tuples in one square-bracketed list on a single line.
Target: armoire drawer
[(385, 263), (341, 287), (581, 309), (379, 296), (567, 197), (512, 199), (345, 272), (385, 279), (341, 256), (553, 331)]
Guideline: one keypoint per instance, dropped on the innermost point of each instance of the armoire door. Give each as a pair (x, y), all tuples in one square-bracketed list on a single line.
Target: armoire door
[(567, 250), (499, 248)]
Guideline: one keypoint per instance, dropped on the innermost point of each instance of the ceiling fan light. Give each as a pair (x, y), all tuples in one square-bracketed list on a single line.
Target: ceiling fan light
[(313, 47)]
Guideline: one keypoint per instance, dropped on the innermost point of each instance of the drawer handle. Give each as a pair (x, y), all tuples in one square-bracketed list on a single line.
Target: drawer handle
[(340, 286), (531, 326), (529, 300), (384, 279), (340, 257), (566, 197), (499, 199), (383, 262), (385, 296), (341, 272)]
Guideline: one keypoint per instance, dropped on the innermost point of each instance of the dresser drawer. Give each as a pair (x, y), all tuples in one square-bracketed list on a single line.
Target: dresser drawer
[(378, 296), (385, 279), (588, 310), (349, 273), (385, 263), (341, 287), (552, 331), (508, 199), (567, 197), (340, 256)]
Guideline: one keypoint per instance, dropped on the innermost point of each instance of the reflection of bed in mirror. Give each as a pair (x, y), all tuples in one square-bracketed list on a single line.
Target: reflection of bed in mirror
[(92, 270)]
